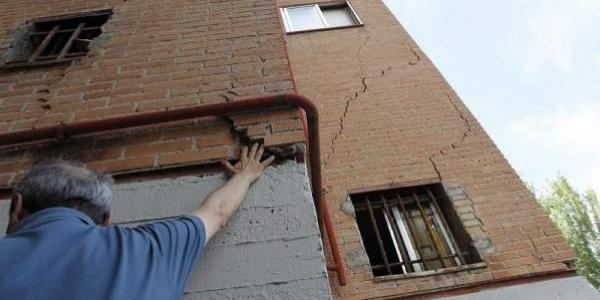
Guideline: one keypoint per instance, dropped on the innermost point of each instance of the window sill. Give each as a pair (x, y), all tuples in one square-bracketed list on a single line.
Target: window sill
[(20, 65), (324, 29), (432, 272)]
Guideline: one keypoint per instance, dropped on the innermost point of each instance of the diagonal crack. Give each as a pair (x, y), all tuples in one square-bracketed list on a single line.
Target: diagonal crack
[(464, 119), (350, 100), (359, 51), (435, 168), (349, 103), (454, 144), (414, 52)]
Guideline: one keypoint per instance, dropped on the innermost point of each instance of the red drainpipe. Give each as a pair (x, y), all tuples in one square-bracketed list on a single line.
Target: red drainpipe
[(218, 109)]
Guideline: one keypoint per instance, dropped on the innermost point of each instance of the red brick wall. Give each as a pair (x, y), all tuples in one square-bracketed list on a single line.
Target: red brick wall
[(388, 116), (153, 55)]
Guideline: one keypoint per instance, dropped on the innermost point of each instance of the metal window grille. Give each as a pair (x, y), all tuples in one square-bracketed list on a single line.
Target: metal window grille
[(406, 231), (61, 38)]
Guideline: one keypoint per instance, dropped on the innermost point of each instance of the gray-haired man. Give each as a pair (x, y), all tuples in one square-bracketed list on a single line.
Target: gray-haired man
[(54, 248)]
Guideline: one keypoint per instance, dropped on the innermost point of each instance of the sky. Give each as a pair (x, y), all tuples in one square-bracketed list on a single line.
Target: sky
[(528, 70)]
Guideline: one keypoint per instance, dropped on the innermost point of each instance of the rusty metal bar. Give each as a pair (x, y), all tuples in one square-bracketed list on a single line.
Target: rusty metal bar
[(397, 234), (430, 230), (411, 227), (43, 44), (66, 30), (69, 42), (445, 224), (378, 236)]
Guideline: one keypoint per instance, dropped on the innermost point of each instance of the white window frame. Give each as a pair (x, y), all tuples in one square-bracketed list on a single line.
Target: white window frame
[(398, 255), (317, 7), (407, 239)]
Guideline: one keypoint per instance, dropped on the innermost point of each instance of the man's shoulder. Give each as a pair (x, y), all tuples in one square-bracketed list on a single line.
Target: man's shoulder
[(157, 231)]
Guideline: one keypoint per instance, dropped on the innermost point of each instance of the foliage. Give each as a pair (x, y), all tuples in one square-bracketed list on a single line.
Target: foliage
[(578, 217)]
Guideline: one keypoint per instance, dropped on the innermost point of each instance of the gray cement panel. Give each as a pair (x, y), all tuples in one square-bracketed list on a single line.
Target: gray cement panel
[(281, 186), (571, 288), (252, 225), (257, 264), (313, 288), (4, 208), (270, 246)]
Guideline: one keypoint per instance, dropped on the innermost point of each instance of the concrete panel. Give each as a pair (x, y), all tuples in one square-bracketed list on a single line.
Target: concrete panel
[(242, 265), (572, 288), (4, 209), (253, 225), (272, 243), (314, 288), (283, 185)]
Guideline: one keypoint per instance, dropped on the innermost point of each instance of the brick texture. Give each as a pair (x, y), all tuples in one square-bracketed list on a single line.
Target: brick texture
[(152, 55), (388, 116)]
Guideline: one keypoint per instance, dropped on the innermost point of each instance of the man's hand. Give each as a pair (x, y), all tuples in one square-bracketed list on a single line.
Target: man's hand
[(221, 204), (249, 166)]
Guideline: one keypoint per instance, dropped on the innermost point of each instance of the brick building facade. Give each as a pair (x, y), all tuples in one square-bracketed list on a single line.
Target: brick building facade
[(388, 119)]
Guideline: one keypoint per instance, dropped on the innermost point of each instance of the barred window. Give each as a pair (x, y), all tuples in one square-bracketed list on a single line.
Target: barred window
[(57, 39), (411, 230)]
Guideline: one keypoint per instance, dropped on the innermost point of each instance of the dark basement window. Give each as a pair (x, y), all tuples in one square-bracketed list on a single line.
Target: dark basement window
[(56, 39), (412, 230)]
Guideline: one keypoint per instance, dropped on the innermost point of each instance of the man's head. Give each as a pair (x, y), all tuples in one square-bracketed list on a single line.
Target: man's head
[(62, 184)]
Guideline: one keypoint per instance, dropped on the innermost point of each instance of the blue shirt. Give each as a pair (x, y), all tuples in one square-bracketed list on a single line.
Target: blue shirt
[(59, 253)]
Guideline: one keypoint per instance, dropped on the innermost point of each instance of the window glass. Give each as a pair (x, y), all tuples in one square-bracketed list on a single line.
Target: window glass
[(304, 18), (338, 16)]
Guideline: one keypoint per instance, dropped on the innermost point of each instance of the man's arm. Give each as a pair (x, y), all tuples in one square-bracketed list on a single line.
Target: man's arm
[(221, 204)]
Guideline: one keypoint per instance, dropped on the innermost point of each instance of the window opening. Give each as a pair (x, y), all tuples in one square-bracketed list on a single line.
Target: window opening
[(319, 16), (411, 230), (59, 39)]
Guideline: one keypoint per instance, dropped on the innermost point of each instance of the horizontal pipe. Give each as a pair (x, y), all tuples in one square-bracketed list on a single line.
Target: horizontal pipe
[(134, 120), (217, 109)]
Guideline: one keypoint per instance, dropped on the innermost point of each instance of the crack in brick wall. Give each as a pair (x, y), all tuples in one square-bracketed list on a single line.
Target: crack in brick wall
[(454, 144), (414, 52), (353, 98)]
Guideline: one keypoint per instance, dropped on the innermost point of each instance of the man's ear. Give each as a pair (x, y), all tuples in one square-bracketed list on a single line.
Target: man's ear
[(107, 219), (16, 212)]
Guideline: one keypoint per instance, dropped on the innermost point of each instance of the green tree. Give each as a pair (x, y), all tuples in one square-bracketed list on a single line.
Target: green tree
[(577, 216)]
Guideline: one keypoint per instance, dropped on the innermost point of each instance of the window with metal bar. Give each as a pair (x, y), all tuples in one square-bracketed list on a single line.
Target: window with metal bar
[(57, 39), (319, 16), (411, 230)]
